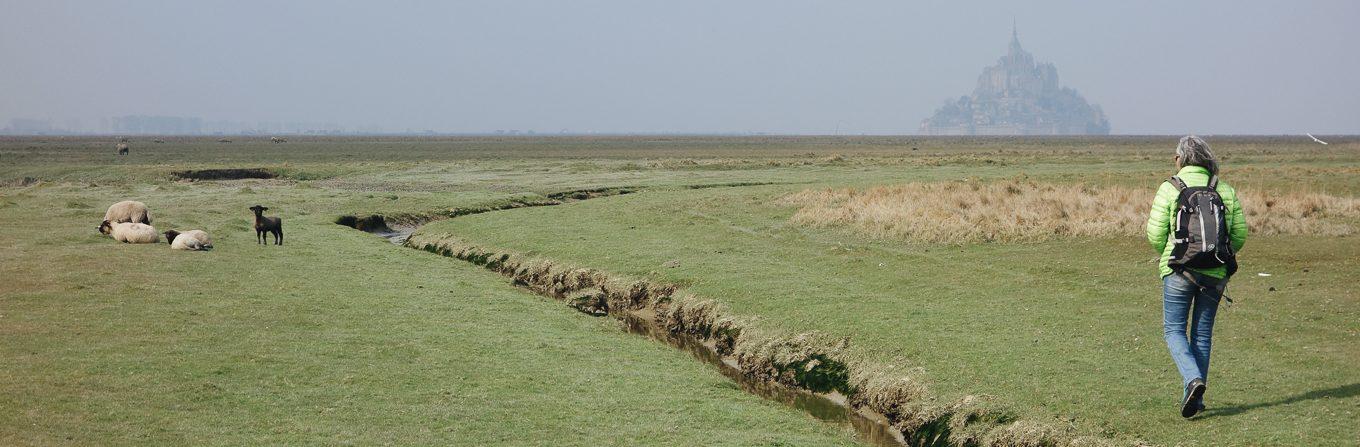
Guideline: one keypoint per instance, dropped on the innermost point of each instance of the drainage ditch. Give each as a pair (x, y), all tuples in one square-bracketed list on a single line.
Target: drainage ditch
[(396, 228), (884, 408), (872, 429), (223, 174)]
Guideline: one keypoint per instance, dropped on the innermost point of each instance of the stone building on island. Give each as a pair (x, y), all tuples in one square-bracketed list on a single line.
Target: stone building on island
[(1018, 96)]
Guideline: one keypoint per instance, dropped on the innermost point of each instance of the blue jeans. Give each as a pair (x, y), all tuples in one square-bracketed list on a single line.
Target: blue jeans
[(1186, 305)]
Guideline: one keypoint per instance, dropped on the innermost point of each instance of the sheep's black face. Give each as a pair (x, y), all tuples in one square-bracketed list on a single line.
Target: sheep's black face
[(258, 209), (105, 227), (170, 236)]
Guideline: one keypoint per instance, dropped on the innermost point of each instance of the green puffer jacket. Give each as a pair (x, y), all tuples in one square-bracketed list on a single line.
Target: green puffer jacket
[(1164, 206)]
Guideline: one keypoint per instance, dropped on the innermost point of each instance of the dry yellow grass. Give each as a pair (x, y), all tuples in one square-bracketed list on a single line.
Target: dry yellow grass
[(1022, 211)]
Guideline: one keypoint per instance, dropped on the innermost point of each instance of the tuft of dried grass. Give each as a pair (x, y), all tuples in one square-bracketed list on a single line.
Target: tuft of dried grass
[(808, 360), (1029, 211), (1305, 213)]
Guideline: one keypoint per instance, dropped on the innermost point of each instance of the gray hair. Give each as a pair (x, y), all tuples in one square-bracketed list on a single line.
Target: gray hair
[(1194, 151)]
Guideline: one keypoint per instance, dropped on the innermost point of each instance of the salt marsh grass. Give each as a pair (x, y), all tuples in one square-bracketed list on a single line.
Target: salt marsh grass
[(1027, 211)]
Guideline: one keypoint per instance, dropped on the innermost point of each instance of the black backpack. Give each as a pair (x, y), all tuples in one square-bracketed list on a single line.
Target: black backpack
[(1200, 229)]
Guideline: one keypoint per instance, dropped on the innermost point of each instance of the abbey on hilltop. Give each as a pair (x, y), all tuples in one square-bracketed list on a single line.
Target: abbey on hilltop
[(1018, 97)]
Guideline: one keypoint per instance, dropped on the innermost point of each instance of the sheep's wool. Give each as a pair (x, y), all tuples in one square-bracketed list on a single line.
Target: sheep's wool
[(128, 211), (135, 233), (192, 240)]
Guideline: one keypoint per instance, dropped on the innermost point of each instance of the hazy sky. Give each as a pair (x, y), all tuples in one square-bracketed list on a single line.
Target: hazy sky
[(674, 66)]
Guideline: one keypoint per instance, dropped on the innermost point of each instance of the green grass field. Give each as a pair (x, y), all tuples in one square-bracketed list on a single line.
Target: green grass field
[(341, 337)]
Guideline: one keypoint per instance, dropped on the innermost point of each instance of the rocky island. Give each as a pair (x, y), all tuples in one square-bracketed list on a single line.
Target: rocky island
[(1018, 96)]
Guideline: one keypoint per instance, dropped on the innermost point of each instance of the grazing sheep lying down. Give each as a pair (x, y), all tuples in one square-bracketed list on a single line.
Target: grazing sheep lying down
[(128, 211), (188, 240), (130, 232)]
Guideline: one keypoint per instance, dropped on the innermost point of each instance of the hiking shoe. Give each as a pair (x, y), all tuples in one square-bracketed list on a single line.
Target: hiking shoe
[(1191, 403), (1199, 404)]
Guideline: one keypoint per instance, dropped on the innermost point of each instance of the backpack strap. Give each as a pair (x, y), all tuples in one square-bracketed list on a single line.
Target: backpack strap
[(1178, 183), (1213, 182), (1200, 280)]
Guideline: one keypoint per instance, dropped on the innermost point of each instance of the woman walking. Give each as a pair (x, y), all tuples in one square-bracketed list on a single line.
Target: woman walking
[(1196, 224)]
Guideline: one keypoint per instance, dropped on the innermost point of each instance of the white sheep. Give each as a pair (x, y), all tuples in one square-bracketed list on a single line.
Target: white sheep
[(188, 240), (130, 232), (128, 211)]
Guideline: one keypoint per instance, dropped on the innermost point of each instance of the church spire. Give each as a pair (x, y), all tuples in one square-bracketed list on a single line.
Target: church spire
[(1015, 49)]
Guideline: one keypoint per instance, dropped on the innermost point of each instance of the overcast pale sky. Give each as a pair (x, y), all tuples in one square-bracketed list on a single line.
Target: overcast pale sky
[(1253, 67)]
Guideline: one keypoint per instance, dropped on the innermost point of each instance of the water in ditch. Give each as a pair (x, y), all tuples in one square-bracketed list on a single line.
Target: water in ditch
[(397, 235), (870, 430)]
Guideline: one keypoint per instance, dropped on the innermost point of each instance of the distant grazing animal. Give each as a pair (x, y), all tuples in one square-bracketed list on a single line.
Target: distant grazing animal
[(223, 140), (278, 139), (265, 225), (130, 232), (122, 149), (158, 141), (188, 240), (128, 211)]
